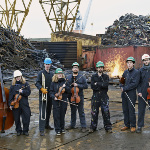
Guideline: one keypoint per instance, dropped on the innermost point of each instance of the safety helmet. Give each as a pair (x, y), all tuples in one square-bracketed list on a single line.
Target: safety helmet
[(145, 56), (17, 73), (130, 59), (47, 61), (58, 70), (99, 64), (75, 64)]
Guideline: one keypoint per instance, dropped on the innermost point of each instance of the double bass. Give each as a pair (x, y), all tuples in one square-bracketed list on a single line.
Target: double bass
[(6, 115)]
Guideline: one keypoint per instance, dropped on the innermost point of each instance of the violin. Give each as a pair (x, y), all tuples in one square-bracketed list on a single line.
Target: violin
[(15, 102), (148, 91), (75, 98), (60, 92), (122, 80), (6, 115)]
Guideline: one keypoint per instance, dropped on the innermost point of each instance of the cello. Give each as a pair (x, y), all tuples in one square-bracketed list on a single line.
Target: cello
[(6, 115)]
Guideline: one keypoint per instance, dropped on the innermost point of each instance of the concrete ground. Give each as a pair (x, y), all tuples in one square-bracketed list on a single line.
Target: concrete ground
[(75, 139)]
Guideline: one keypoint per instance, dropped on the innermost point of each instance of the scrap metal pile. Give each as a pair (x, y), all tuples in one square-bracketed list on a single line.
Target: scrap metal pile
[(18, 53), (128, 30)]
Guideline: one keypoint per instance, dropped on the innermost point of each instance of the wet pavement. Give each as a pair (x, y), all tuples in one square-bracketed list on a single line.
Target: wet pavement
[(74, 139)]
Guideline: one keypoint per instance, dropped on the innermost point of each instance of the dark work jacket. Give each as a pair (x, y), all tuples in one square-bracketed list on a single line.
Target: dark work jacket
[(55, 88), (14, 89), (131, 80), (143, 83), (102, 84), (48, 80), (82, 84)]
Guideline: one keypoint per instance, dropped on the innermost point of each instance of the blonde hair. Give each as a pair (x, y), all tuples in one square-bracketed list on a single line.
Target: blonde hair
[(22, 80), (55, 77)]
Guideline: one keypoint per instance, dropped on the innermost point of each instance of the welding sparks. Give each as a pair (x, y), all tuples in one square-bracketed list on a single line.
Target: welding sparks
[(116, 65)]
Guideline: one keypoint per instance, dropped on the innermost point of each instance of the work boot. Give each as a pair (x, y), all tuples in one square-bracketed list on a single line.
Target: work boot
[(139, 130), (49, 127), (58, 133), (109, 130), (63, 131), (70, 127), (91, 130), (42, 133), (26, 133), (18, 133), (124, 128), (133, 129), (83, 129)]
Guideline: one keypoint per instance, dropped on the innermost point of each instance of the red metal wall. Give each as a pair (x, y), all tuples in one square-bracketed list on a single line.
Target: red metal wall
[(107, 55), (88, 59)]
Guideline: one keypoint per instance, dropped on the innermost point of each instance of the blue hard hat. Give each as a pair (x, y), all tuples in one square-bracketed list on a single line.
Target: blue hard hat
[(47, 61)]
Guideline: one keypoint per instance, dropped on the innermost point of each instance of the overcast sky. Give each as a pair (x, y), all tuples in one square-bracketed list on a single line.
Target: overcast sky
[(102, 14)]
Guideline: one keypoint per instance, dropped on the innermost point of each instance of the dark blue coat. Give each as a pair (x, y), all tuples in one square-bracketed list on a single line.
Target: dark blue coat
[(54, 88), (82, 84), (14, 89), (143, 83), (131, 80), (48, 80)]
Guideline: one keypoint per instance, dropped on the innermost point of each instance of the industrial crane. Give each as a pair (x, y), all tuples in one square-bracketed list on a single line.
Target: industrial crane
[(60, 14), (80, 26), (13, 14)]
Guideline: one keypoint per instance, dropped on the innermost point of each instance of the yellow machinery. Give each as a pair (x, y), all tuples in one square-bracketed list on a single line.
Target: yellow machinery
[(10, 15), (61, 14)]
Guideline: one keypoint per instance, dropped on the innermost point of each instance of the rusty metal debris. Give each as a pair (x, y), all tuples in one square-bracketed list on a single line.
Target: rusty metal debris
[(18, 53), (128, 30)]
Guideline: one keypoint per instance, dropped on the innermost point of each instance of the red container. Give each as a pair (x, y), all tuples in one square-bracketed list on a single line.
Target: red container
[(112, 56)]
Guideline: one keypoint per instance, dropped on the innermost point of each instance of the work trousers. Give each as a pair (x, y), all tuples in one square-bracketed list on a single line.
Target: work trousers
[(80, 108), (44, 119), (24, 112), (128, 109), (59, 111), (104, 104)]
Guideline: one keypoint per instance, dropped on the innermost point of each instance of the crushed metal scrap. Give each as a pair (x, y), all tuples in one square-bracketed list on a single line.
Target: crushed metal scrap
[(18, 53), (128, 30)]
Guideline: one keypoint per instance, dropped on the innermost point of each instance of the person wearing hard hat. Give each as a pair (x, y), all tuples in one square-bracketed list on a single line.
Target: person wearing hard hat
[(59, 100), (99, 85), (142, 90), (77, 80), (131, 76), (43, 83), (21, 87)]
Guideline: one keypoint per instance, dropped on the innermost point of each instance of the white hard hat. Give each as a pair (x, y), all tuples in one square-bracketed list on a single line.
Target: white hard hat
[(145, 56), (17, 73)]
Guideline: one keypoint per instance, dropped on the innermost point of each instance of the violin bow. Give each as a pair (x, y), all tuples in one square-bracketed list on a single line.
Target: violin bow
[(129, 99), (66, 102), (77, 79), (145, 102), (26, 86)]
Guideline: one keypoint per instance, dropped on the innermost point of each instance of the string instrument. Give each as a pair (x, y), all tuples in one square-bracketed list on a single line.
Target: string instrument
[(15, 102), (60, 92), (122, 80), (75, 98), (148, 91), (6, 115)]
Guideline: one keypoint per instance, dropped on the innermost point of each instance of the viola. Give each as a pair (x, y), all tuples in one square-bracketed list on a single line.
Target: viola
[(60, 92), (148, 91), (75, 98), (6, 115), (15, 102), (122, 80)]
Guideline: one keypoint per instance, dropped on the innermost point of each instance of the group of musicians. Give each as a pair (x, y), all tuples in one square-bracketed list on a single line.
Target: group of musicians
[(57, 90)]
